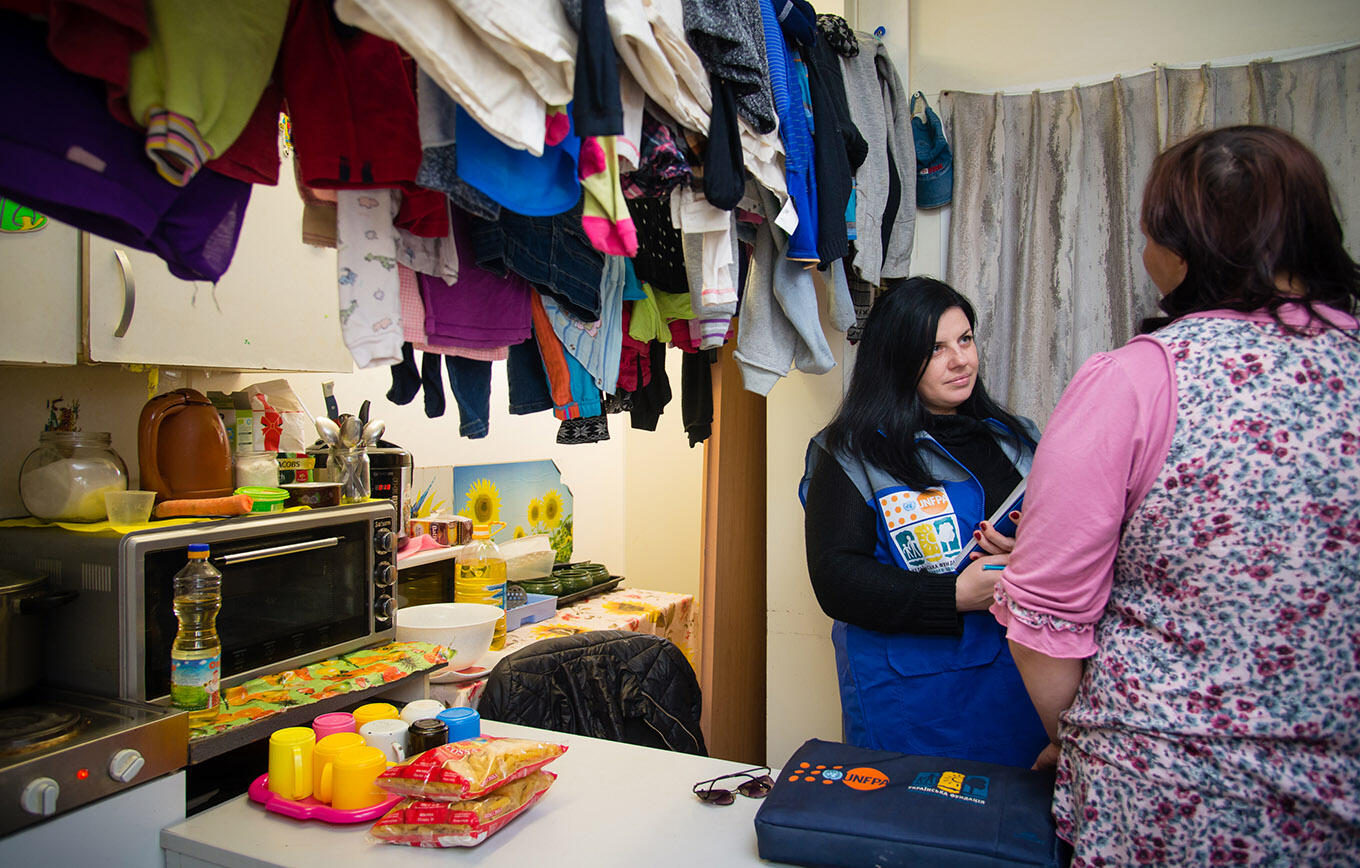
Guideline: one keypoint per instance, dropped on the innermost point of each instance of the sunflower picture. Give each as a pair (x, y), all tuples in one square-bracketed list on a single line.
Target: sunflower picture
[(483, 504), (518, 498), (552, 508)]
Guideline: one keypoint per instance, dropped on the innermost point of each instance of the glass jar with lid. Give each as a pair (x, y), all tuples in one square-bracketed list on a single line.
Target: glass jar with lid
[(257, 469), (65, 478)]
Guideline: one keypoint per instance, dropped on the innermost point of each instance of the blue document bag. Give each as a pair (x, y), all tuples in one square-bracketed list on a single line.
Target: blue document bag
[(838, 805)]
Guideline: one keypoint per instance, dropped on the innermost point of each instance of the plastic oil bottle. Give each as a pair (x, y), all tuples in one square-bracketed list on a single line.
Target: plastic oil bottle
[(196, 655), (479, 577)]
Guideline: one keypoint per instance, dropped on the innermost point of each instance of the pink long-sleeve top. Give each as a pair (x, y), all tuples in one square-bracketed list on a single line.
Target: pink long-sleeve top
[(1100, 455)]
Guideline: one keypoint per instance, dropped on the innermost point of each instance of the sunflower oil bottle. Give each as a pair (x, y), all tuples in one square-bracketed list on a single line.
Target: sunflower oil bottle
[(479, 577), (196, 654)]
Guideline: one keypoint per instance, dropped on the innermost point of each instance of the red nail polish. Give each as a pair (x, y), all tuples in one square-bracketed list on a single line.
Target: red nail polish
[(977, 534), (1015, 515)]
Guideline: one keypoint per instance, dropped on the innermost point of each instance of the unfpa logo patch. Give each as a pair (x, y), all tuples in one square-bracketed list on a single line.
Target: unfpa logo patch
[(861, 778), (865, 779), (932, 502), (953, 785)]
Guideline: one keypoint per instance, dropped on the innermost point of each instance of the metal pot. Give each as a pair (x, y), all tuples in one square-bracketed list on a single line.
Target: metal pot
[(23, 600)]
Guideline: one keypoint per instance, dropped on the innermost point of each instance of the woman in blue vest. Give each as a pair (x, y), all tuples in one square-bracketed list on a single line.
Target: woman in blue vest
[(915, 459)]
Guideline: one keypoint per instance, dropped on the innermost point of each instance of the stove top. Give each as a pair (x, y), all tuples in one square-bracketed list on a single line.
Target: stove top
[(61, 750), (33, 728)]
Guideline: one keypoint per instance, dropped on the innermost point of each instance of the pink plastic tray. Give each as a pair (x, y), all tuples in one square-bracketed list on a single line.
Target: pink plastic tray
[(311, 809)]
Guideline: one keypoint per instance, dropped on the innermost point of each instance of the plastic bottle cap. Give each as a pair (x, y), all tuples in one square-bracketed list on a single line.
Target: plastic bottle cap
[(198, 550)]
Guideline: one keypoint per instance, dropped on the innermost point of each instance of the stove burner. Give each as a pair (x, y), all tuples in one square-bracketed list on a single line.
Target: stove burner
[(37, 727)]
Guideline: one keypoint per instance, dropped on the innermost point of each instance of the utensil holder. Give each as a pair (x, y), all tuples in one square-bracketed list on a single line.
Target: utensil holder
[(350, 468)]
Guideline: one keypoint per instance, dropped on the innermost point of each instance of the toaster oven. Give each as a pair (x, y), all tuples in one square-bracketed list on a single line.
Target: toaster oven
[(297, 587)]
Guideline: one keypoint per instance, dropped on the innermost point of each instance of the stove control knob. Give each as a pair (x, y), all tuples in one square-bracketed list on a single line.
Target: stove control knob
[(385, 609), (384, 541), (125, 765), (387, 576), (40, 797)]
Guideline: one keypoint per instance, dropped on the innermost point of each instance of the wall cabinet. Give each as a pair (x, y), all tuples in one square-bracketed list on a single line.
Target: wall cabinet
[(275, 308), (40, 294)]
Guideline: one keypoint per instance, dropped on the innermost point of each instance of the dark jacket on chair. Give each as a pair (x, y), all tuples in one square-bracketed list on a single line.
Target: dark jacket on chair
[(610, 684)]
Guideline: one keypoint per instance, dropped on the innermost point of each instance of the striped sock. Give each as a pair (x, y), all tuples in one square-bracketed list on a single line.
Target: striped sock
[(605, 219)]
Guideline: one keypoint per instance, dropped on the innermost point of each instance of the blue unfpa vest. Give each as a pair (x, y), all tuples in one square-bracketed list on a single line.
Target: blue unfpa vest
[(950, 696)]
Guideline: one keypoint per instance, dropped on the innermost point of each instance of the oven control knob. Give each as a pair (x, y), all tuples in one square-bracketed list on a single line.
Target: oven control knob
[(385, 609), (125, 765), (40, 797), (384, 540), (387, 576)]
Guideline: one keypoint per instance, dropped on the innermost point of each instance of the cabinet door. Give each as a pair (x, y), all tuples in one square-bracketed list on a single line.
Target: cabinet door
[(275, 308), (40, 295)]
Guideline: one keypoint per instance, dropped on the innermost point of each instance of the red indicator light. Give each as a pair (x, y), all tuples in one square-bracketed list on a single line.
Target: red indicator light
[(82, 774)]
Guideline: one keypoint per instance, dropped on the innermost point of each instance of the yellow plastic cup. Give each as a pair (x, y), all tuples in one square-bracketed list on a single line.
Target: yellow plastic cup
[(355, 770), (290, 762), (323, 761), (375, 711)]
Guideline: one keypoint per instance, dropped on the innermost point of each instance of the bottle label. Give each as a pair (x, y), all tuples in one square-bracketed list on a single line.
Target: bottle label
[(196, 684)]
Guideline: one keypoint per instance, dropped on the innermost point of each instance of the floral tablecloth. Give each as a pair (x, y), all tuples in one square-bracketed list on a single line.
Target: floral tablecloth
[(660, 613), (358, 670)]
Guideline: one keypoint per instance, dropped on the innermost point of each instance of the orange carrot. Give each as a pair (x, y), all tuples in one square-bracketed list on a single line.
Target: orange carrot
[(236, 504)]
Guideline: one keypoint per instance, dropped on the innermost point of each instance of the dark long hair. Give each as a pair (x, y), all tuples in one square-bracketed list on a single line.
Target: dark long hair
[(1241, 205), (882, 412)]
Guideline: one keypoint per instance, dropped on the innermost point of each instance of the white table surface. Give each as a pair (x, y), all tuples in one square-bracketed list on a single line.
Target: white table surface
[(612, 804)]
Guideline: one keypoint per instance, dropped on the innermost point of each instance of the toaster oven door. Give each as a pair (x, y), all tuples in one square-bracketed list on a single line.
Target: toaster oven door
[(292, 593)]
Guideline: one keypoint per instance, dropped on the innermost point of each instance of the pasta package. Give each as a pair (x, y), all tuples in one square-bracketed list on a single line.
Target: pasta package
[(465, 823), (468, 769)]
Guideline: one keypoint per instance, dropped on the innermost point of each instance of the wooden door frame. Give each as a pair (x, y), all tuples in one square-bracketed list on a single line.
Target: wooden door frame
[(732, 586)]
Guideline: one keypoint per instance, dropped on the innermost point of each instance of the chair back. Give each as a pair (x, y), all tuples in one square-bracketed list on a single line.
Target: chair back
[(610, 684)]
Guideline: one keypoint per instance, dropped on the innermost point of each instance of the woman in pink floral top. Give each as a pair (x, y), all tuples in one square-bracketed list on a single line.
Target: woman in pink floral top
[(1183, 600)]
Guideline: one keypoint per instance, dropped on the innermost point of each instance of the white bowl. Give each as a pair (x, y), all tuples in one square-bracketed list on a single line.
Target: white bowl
[(463, 628)]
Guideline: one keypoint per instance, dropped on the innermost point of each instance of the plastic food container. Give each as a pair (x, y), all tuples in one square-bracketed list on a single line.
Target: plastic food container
[(313, 494), (540, 607), (528, 557), (264, 499)]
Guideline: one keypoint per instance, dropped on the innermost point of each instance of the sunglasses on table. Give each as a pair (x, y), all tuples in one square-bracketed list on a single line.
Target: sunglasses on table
[(756, 786)]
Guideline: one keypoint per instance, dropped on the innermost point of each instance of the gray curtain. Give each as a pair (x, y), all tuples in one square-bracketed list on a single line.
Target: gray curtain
[(1044, 231)]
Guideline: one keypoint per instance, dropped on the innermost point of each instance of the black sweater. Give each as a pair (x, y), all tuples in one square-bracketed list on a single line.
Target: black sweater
[(841, 533)]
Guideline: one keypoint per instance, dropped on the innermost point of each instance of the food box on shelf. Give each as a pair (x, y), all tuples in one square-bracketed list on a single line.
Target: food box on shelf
[(540, 607)]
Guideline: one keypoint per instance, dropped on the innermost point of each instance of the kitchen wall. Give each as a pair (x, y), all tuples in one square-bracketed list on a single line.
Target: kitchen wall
[(979, 45), (636, 496)]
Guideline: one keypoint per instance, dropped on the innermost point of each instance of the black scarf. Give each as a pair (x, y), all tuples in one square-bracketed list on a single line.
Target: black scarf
[(972, 443)]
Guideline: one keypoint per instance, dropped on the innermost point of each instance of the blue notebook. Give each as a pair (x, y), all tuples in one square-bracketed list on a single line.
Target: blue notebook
[(1001, 520)]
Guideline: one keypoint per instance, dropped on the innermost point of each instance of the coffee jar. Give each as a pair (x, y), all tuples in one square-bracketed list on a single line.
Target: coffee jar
[(65, 478)]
